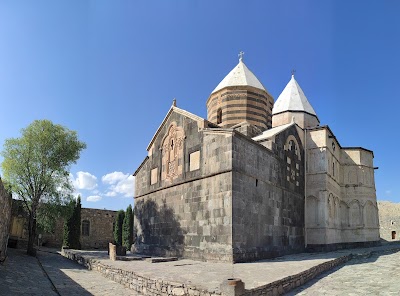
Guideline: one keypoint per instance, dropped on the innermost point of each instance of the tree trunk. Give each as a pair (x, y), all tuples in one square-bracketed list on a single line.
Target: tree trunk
[(32, 232)]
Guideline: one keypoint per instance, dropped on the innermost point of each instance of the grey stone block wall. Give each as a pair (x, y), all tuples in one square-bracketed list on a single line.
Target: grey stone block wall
[(268, 210), (5, 220)]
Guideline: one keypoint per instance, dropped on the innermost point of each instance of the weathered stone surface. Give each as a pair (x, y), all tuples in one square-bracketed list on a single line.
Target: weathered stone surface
[(5, 220)]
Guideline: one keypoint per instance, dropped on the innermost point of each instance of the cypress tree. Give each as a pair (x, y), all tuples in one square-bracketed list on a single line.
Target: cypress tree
[(72, 225), (68, 222), (77, 224), (118, 227), (127, 229)]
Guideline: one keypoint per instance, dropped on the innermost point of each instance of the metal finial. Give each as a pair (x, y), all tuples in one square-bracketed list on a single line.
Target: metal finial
[(174, 102), (241, 53), (293, 71)]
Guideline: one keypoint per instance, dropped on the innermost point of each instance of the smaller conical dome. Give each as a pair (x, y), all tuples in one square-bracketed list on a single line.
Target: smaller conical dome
[(292, 98), (240, 75)]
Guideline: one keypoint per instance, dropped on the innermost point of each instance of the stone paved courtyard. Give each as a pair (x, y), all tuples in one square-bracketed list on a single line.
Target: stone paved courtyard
[(377, 275), (374, 275)]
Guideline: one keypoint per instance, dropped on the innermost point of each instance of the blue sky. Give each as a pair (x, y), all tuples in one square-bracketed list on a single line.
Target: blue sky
[(110, 70)]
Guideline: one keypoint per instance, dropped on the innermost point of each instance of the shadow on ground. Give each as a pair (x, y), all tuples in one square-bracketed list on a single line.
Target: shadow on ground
[(60, 270)]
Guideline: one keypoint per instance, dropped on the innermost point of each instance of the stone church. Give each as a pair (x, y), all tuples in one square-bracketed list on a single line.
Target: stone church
[(256, 179)]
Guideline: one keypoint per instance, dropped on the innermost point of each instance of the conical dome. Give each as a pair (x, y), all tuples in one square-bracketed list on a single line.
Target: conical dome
[(240, 99), (292, 98), (240, 76)]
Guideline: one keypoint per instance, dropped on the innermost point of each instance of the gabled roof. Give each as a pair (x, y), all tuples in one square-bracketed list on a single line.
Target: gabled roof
[(292, 98), (177, 110), (240, 75), (272, 132)]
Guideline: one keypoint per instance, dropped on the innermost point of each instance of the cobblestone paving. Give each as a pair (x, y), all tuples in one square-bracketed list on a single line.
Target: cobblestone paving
[(22, 275), (377, 275), (70, 278)]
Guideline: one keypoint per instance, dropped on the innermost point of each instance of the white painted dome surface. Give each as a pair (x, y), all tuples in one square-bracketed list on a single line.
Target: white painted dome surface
[(292, 98), (240, 75)]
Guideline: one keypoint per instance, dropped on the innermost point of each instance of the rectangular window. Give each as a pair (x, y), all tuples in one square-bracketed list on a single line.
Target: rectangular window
[(85, 227)]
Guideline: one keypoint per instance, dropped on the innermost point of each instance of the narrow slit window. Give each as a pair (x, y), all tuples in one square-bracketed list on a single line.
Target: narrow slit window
[(219, 116)]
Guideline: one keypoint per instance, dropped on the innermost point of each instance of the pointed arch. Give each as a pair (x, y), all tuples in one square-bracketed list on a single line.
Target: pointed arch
[(355, 215), (370, 214), (312, 211), (344, 214)]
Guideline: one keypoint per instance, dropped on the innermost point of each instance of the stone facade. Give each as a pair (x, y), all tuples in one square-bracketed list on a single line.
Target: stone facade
[(5, 214), (101, 227), (389, 220), (341, 201), (236, 189)]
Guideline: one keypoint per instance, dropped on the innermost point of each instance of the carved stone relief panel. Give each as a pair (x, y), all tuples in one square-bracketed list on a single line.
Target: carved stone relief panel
[(172, 152)]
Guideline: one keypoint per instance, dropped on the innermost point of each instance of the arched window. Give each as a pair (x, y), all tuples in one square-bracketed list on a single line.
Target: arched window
[(219, 116), (85, 227)]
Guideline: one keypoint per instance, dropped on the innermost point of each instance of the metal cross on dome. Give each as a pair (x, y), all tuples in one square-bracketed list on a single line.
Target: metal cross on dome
[(241, 53)]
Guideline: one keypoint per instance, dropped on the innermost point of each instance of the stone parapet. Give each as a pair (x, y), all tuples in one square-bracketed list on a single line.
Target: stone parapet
[(287, 284), (136, 282)]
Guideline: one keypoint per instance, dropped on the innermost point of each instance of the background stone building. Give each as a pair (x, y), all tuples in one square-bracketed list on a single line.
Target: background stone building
[(96, 229), (389, 220), (254, 180), (5, 219)]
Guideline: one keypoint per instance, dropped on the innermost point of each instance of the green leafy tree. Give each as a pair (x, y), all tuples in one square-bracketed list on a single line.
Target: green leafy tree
[(127, 228), (118, 227), (36, 166)]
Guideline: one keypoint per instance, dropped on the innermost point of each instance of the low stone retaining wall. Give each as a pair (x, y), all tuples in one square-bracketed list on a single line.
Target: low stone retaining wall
[(287, 284), (138, 283), (153, 287)]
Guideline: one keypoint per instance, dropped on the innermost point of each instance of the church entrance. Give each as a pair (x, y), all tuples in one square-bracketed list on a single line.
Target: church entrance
[(393, 234)]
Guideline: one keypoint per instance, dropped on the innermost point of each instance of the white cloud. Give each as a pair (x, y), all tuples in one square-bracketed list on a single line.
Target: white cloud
[(119, 184), (84, 180), (111, 193), (113, 178), (93, 198)]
